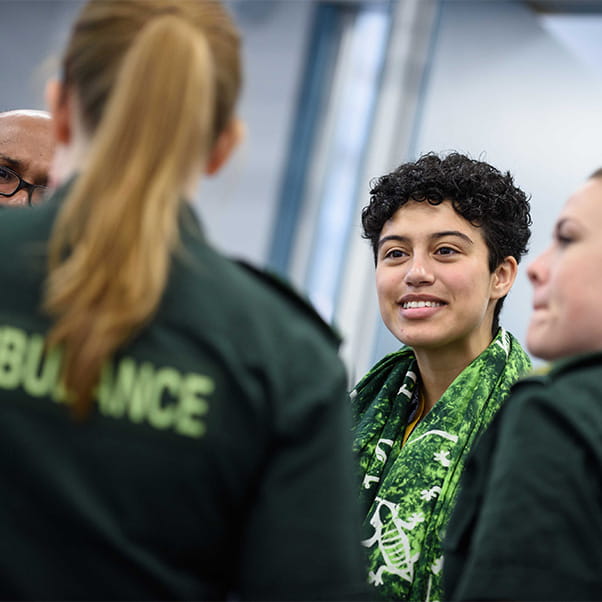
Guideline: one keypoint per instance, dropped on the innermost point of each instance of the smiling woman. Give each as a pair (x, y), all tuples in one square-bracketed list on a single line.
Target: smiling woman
[(435, 290), (447, 235)]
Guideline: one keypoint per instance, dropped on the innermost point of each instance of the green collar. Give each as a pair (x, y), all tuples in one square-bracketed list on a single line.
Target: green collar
[(565, 364)]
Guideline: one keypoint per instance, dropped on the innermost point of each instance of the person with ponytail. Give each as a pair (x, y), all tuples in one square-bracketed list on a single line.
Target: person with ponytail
[(173, 424)]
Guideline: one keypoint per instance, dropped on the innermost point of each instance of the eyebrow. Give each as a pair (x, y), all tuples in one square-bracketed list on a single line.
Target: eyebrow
[(12, 163), (19, 167), (433, 236)]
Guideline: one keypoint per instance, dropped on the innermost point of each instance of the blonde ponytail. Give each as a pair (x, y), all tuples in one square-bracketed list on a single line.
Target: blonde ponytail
[(111, 245)]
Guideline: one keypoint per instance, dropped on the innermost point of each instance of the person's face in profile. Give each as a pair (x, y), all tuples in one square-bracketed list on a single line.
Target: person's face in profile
[(26, 148), (567, 281), (434, 286)]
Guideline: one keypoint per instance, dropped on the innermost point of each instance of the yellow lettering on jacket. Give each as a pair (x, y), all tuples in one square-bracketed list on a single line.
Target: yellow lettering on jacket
[(13, 343), (40, 374), (140, 392), (193, 404)]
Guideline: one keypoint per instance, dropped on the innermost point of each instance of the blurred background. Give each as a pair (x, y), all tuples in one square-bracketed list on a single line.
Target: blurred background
[(340, 92)]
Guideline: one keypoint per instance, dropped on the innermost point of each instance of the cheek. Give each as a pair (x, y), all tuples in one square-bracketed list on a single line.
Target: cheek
[(570, 285), (575, 290), (579, 300), (474, 283), (385, 283)]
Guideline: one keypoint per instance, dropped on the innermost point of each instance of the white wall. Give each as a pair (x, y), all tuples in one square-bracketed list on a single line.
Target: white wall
[(239, 206), (31, 35)]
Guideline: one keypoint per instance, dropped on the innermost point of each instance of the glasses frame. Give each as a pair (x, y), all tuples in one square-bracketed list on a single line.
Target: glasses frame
[(23, 184)]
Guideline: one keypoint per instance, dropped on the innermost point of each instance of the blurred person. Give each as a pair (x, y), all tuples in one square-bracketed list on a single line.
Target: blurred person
[(447, 233), (26, 147), (173, 424), (528, 523)]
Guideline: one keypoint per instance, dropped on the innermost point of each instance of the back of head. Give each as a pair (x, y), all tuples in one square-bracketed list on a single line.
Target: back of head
[(155, 82), (481, 194), (107, 30)]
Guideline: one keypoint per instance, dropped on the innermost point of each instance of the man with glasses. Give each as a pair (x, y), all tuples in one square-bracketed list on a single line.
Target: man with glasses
[(26, 149)]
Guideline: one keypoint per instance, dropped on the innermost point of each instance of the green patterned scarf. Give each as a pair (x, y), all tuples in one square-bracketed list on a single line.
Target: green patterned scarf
[(408, 492)]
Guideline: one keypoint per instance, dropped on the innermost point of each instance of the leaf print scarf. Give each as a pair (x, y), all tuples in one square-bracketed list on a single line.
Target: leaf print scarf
[(408, 492)]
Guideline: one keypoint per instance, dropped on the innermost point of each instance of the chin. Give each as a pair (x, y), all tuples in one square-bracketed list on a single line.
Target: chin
[(538, 347), (544, 345), (543, 354), (421, 343), (420, 337), (549, 353), (538, 344)]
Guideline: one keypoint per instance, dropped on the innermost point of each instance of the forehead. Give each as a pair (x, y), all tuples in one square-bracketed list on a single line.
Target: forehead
[(27, 139), (585, 205), (421, 217)]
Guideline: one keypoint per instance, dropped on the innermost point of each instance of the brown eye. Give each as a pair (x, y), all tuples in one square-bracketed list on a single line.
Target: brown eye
[(446, 251), (5, 175), (395, 254)]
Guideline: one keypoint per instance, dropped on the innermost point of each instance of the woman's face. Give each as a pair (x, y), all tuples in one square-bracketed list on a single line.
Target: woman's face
[(434, 286), (567, 281)]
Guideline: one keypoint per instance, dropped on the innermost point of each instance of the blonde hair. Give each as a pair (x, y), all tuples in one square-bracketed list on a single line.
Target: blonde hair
[(156, 82)]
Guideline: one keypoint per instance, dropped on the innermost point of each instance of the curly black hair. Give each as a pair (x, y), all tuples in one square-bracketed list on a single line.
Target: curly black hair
[(482, 195)]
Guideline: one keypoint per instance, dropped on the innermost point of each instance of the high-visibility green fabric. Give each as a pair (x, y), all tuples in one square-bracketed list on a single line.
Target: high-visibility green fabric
[(408, 492)]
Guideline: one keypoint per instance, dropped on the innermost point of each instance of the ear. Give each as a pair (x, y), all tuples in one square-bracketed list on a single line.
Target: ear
[(226, 142), (503, 277), (59, 105)]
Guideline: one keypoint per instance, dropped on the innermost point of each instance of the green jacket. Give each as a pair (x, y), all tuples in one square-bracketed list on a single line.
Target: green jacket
[(216, 462), (528, 522)]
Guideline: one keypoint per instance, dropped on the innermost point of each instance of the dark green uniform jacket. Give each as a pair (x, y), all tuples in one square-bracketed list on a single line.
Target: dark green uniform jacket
[(216, 462), (528, 521)]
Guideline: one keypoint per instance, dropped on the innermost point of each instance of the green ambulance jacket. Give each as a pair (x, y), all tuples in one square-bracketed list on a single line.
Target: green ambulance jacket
[(528, 522), (216, 463)]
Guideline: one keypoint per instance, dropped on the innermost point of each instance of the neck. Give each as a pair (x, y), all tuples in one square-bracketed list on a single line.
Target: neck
[(72, 157), (66, 162), (440, 367)]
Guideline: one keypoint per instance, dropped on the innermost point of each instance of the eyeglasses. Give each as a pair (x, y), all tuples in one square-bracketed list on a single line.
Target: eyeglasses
[(11, 182)]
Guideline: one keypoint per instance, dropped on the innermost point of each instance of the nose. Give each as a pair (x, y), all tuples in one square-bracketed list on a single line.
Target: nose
[(419, 273), (537, 271)]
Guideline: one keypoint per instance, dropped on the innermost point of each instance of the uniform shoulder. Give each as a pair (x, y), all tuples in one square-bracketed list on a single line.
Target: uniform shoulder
[(566, 371), (283, 290), (571, 389)]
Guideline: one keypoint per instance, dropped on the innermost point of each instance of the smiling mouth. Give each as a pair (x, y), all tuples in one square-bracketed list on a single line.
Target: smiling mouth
[(418, 304)]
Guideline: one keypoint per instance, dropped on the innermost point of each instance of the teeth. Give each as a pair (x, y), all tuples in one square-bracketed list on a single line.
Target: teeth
[(417, 304)]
